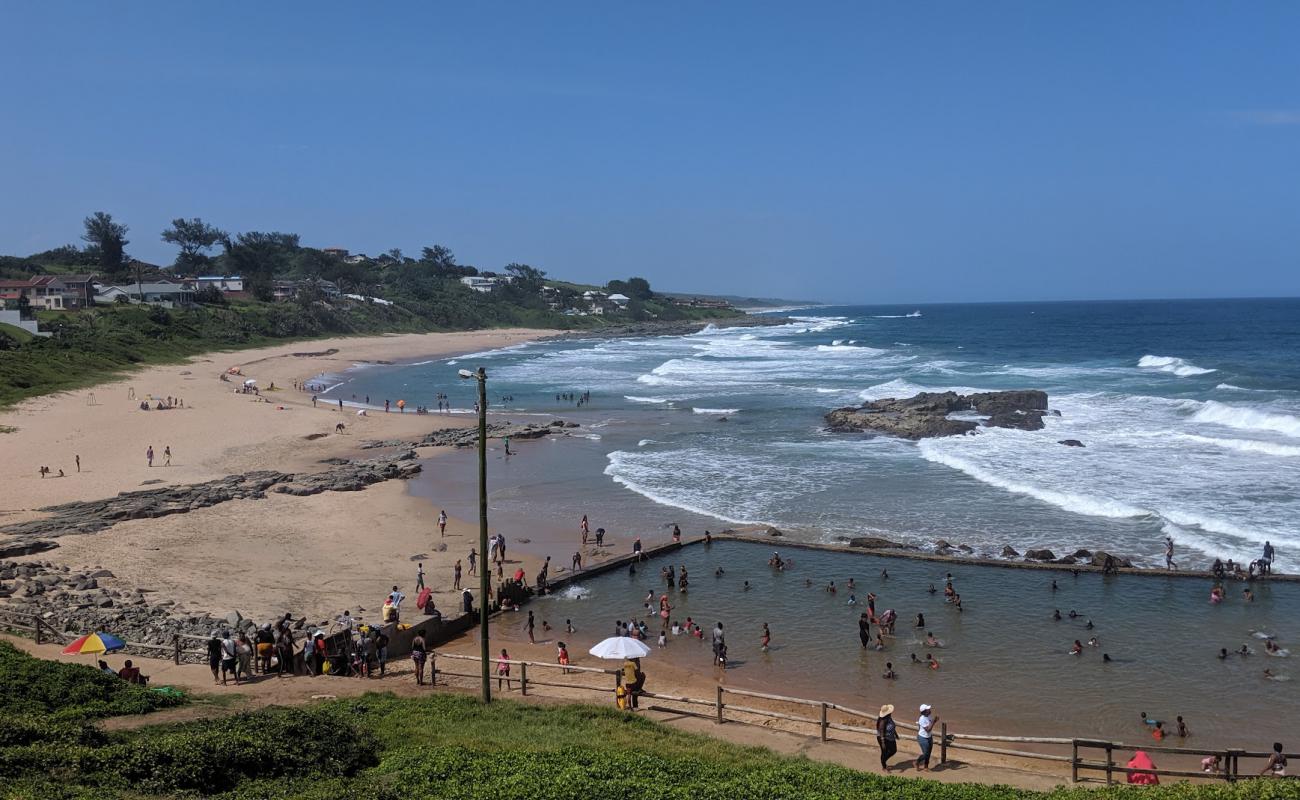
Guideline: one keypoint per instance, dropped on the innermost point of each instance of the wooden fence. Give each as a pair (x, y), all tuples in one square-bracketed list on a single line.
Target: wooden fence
[(829, 717)]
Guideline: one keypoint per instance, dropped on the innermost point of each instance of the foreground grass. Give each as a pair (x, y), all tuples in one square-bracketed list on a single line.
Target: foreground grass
[(450, 746)]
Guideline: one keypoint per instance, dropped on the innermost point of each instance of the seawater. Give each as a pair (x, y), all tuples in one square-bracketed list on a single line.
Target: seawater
[(1189, 412), (1004, 662)]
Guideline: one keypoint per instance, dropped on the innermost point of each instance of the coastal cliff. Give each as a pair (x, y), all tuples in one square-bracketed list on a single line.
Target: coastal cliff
[(925, 415)]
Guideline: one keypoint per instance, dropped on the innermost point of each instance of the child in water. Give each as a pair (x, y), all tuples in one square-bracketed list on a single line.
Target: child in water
[(889, 671), (663, 637), (767, 638), (853, 600), (930, 660)]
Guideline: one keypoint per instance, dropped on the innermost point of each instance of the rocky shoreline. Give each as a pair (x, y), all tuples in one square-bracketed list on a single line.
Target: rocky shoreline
[(926, 415)]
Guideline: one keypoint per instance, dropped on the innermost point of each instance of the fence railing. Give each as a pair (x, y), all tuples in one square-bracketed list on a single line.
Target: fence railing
[(831, 716)]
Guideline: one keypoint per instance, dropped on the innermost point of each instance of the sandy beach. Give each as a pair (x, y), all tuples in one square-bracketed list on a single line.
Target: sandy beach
[(315, 555)]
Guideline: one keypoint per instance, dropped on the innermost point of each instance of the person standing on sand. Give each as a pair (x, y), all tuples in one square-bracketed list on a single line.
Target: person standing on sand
[(473, 562), (419, 576), (148, 454), (886, 735), (925, 736), (419, 652), (442, 522), (455, 573), (584, 526), (167, 456), (78, 458)]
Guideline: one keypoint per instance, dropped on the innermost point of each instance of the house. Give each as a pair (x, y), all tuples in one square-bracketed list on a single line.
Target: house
[(288, 290), (356, 258), (165, 293), (485, 283), (51, 292), (223, 283), (338, 252), (620, 300)]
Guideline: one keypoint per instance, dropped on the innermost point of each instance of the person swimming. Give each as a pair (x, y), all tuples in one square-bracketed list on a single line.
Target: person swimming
[(920, 621), (746, 587), (915, 660), (1077, 649), (1053, 584), (932, 590), (1223, 653), (1093, 642), (1073, 614), (853, 600), (930, 641), (931, 661), (1056, 615), (884, 574), (1089, 626), (830, 587), (851, 585), (1152, 721), (717, 573), (889, 671), (1105, 658)]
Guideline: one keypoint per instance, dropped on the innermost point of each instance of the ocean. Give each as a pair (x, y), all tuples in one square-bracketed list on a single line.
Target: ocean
[(1189, 412)]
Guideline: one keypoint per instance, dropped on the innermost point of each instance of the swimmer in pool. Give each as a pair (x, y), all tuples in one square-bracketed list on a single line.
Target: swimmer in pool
[(1089, 626), (1152, 721), (920, 621), (1105, 658), (717, 573), (884, 574), (931, 662), (1077, 649), (852, 586), (932, 590), (1056, 615), (746, 587), (930, 641), (807, 582), (830, 587), (1093, 642), (1248, 595), (1223, 653), (1245, 651), (1053, 585), (1073, 613), (915, 660), (889, 671), (853, 600)]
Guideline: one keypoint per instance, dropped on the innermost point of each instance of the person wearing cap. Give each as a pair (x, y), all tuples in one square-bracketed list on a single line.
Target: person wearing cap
[(925, 736), (886, 735)]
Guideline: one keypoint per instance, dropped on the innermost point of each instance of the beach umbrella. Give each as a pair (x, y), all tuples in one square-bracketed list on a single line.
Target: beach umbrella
[(250, 382), (93, 644), (620, 647)]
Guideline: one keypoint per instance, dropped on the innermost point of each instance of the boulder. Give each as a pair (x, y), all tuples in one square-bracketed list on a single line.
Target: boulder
[(11, 549), (1040, 555), (1009, 552), (1099, 559), (1071, 443), (875, 543), (773, 532), (1083, 554), (234, 618), (926, 414)]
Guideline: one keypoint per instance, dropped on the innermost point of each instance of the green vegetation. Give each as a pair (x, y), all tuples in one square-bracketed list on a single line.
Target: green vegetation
[(424, 294), (17, 334), (50, 690), (450, 746)]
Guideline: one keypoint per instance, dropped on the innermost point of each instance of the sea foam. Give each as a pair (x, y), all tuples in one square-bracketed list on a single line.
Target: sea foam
[(1172, 365), (1247, 419)]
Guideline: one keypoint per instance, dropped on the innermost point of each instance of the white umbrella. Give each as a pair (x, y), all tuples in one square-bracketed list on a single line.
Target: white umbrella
[(620, 647), (250, 382)]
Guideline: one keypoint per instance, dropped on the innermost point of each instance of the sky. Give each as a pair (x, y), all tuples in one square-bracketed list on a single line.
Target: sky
[(876, 152)]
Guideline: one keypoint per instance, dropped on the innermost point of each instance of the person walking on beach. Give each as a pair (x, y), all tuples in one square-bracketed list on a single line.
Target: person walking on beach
[(1169, 553), (886, 735), (419, 576), (473, 562), (925, 736), (78, 458), (167, 456), (455, 572), (442, 522), (148, 454)]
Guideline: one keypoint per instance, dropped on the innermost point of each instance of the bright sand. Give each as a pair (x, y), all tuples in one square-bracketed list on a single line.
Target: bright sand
[(315, 555)]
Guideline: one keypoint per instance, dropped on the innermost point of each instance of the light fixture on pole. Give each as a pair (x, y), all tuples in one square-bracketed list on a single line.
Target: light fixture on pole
[(481, 376)]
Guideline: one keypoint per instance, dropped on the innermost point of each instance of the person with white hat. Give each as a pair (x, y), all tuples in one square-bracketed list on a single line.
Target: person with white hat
[(925, 736), (886, 735)]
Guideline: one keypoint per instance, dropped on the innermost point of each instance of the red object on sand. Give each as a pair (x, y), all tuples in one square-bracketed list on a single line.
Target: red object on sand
[(1142, 761), (423, 599)]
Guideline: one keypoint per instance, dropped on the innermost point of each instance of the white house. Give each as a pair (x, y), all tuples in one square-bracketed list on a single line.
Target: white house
[(620, 300), (224, 283), (160, 293)]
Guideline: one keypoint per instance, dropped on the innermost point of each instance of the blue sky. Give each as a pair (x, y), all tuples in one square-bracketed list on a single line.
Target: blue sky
[(858, 151)]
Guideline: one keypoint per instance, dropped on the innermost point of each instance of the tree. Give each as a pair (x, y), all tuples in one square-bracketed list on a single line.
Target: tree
[(107, 239), (194, 237), (528, 279), (440, 258), (259, 257)]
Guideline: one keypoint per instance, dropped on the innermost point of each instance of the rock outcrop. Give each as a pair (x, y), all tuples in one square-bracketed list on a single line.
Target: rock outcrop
[(468, 437), (91, 516), (1071, 443), (926, 415)]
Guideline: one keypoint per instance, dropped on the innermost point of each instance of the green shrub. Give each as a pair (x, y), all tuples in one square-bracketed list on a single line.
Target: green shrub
[(59, 691)]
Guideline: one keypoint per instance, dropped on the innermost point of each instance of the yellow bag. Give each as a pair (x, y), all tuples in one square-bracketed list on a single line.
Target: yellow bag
[(620, 697)]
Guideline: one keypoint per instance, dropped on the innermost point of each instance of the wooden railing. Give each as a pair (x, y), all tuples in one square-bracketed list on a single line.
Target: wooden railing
[(824, 721), (32, 625)]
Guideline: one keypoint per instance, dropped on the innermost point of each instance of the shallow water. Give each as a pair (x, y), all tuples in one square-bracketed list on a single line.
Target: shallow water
[(1005, 666)]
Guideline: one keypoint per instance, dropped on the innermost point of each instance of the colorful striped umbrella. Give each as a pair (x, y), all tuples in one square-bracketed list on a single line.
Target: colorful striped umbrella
[(92, 643)]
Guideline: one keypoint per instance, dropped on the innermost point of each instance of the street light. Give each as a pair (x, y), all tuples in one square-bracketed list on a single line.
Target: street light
[(481, 377)]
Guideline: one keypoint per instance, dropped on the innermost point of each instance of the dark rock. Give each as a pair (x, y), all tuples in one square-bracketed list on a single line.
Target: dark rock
[(942, 544), (1083, 554), (1067, 560), (1009, 552), (1099, 559), (774, 532), (26, 548), (926, 414), (965, 548), (1071, 443), (1040, 555)]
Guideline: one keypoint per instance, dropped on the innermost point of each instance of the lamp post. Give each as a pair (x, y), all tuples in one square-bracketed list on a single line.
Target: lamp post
[(481, 376)]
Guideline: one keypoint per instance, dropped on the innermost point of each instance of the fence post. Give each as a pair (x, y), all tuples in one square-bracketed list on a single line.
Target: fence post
[(523, 679), (1110, 764), (1236, 764), (719, 704), (40, 631), (1074, 761), (824, 722), (176, 648), (943, 743)]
